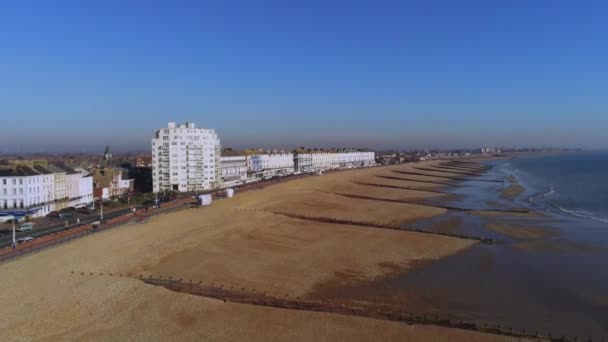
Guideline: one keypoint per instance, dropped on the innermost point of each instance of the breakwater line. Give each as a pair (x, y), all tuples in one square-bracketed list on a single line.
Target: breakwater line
[(476, 167), (403, 188), (417, 180), (447, 177), (383, 226), (513, 211), (472, 173), (482, 170)]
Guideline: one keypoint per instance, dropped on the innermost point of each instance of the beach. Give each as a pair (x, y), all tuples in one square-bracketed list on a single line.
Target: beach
[(282, 240)]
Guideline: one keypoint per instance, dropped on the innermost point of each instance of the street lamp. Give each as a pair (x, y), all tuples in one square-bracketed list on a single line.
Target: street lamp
[(14, 239)]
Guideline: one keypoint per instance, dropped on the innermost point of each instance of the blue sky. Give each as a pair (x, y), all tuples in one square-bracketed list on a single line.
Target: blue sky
[(76, 75)]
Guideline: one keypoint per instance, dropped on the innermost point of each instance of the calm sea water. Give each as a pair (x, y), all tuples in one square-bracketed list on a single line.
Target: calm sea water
[(559, 283), (573, 184)]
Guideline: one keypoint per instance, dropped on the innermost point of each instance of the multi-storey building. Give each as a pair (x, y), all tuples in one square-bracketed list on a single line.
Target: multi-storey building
[(269, 165), (234, 170), (185, 158)]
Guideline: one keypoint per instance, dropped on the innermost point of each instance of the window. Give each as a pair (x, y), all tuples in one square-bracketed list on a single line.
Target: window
[(4, 181)]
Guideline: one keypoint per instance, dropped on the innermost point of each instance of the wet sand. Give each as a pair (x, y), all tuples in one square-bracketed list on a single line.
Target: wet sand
[(237, 242), (520, 231), (512, 191)]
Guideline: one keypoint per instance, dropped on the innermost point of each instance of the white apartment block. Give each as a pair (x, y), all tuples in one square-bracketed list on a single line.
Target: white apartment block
[(234, 170), (185, 158), (269, 165), (321, 161), (26, 190)]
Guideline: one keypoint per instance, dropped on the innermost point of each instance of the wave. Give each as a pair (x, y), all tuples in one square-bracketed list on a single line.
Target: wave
[(550, 192), (538, 201), (584, 214)]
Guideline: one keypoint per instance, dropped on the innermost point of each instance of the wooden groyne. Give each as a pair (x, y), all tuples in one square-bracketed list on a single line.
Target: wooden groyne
[(448, 177), (513, 211), (485, 240), (462, 169), (472, 173), (472, 167), (403, 188), (417, 180)]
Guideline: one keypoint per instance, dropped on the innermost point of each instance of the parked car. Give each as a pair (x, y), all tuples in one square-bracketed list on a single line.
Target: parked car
[(24, 227), (53, 214), (65, 215), (83, 210), (25, 239), (67, 210)]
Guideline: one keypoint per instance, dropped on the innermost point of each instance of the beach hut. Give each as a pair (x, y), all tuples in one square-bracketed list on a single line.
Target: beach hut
[(204, 200), (229, 193)]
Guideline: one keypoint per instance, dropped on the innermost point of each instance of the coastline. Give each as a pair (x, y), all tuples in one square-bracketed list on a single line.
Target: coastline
[(243, 242)]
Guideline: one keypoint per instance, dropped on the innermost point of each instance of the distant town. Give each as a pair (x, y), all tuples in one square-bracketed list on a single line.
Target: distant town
[(183, 158)]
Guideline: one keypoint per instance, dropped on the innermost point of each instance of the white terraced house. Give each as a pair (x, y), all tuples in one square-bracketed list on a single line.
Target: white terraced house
[(185, 158), (321, 161), (234, 170), (31, 190), (269, 165)]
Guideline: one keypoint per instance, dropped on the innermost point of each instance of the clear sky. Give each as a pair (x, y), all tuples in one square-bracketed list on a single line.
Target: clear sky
[(77, 75)]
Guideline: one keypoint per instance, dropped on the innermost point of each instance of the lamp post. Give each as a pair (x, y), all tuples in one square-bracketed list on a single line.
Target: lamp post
[(101, 211), (14, 239)]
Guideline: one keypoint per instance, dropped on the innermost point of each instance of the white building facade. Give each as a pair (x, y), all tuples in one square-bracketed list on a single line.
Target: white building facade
[(85, 190), (322, 161), (270, 165), (31, 191), (185, 158), (234, 170)]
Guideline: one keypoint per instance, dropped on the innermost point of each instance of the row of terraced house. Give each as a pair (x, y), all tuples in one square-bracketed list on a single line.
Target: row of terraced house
[(35, 188)]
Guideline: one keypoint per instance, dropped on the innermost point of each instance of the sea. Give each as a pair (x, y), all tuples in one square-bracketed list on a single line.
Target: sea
[(573, 184), (553, 284)]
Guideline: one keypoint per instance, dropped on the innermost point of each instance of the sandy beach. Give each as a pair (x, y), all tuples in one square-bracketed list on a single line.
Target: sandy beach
[(248, 241)]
